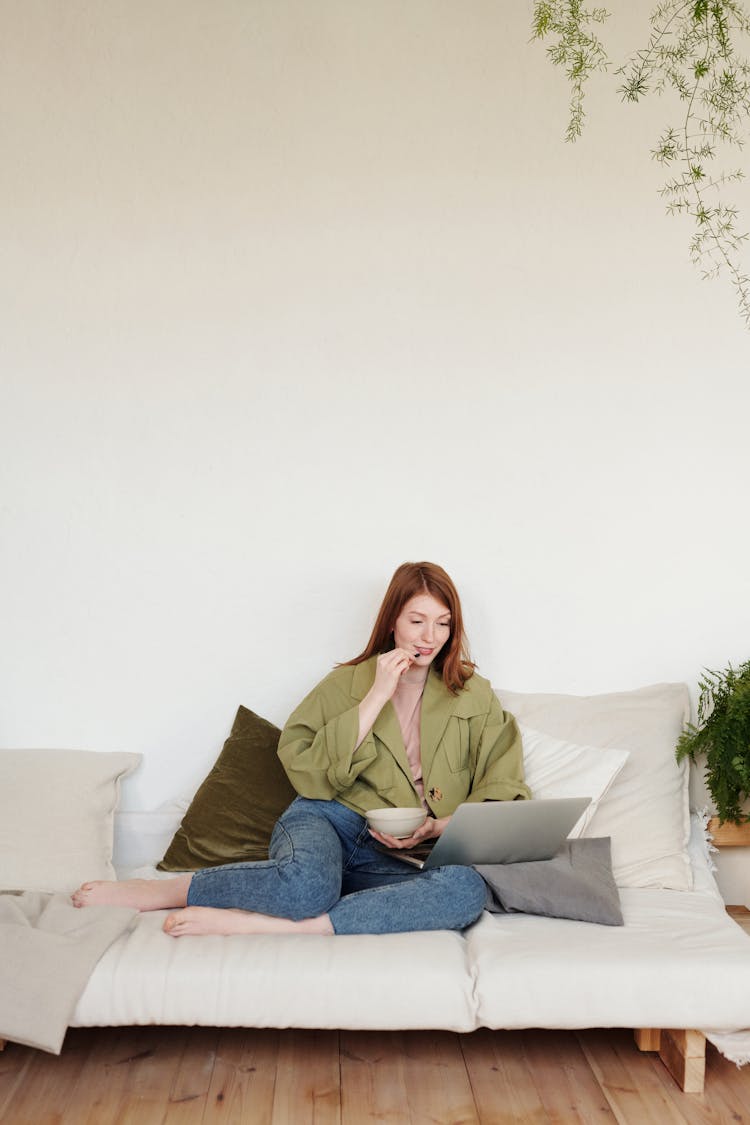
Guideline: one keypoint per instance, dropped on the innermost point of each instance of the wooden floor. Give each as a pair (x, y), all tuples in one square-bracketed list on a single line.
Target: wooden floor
[(187, 1076)]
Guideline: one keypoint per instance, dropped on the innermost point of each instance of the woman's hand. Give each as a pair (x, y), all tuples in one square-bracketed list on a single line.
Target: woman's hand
[(389, 669), (427, 831)]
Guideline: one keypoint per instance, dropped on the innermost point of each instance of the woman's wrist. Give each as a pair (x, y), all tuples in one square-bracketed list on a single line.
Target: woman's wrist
[(374, 701), (369, 709)]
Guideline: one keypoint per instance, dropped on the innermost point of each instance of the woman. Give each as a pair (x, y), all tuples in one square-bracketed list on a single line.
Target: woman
[(407, 722)]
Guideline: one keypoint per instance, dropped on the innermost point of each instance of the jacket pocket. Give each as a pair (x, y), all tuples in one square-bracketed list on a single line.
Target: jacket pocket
[(456, 744)]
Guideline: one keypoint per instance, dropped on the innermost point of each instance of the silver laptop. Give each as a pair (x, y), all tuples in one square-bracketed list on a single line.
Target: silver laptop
[(502, 832)]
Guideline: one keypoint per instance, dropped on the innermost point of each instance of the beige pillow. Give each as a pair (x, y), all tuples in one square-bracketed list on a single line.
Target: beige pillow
[(553, 767), (646, 809), (56, 816)]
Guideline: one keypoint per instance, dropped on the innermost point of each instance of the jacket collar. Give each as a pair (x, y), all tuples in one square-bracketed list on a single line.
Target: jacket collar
[(386, 727), (438, 706)]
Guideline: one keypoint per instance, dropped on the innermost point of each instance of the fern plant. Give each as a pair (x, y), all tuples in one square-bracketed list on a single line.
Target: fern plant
[(577, 48), (694, 51), (723, 735)]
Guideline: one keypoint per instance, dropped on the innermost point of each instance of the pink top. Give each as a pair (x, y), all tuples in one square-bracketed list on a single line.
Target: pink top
[(407, 703)]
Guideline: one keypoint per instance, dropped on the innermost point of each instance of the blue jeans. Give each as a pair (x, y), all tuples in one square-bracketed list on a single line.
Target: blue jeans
[(323, 860)]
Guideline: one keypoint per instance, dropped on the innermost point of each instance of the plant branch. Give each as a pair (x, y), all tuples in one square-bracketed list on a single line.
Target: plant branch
[(691, 50)]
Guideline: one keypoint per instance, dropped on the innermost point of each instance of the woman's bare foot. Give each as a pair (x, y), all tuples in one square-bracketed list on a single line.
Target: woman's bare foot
[(138, 894), (198, 920)]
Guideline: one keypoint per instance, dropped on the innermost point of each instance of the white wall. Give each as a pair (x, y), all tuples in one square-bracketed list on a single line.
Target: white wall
[(292, 292)]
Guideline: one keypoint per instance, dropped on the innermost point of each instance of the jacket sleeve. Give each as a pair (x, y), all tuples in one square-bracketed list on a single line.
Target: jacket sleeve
[(318, 746), (498, 764)]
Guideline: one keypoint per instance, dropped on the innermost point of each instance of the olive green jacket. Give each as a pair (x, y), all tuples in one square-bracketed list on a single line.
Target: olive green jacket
[(471, 748)]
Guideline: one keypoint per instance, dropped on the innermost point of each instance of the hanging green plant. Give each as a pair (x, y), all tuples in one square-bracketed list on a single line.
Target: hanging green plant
[(692, 49), (723, 735)]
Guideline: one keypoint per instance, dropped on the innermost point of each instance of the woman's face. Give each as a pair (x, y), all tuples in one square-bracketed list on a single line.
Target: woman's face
[(422, 628)]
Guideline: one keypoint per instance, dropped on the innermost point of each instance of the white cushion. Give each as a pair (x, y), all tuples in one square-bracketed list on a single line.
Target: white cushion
[(646, 809), (56, 817), (556, 768), (368, 981), (554, 972)]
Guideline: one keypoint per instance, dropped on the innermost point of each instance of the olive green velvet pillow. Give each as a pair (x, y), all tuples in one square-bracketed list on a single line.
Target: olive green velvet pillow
[(232, 815)]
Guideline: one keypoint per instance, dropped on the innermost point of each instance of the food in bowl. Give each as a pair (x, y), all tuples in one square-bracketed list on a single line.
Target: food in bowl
[(396, 822)]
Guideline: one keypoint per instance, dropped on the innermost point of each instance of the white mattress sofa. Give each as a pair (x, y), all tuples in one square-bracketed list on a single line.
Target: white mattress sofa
[(677, 971)]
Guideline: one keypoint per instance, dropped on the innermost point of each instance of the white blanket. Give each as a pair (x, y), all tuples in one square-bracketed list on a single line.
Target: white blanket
[(48, 950)]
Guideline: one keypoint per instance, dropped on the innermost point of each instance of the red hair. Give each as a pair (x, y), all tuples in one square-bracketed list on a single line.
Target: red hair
[(409, 581)]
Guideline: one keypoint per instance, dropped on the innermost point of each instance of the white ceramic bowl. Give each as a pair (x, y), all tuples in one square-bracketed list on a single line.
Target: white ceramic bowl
[(396, 822)]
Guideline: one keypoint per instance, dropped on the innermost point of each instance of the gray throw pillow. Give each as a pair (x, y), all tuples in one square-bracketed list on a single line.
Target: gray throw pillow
[(576, 883)]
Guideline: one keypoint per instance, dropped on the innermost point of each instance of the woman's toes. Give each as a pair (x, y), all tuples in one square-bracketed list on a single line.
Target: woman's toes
[(81, 896), (172, 923)]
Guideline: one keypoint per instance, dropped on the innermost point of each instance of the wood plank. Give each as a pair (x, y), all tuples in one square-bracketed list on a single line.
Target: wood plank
[(628, 1078), (104, 1075), (740, 915), (683, 1052), (647, 1038), (243, 1081), (151, 1076), (189, 1094), (48, 1082), (438, 1086), (14, 1065), (727, 1085), (373, 1080), (560, 1071), (308, 1079), (502, 1084), (729, 835), (718, 1103), (128, 1076), (388, 1077)]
